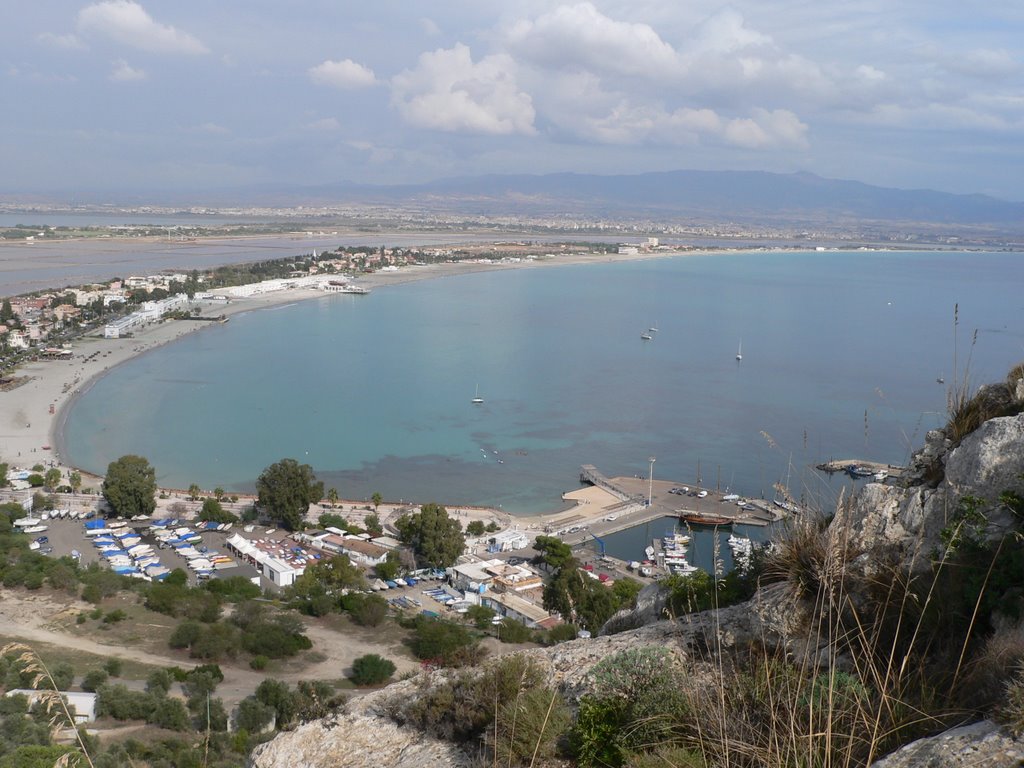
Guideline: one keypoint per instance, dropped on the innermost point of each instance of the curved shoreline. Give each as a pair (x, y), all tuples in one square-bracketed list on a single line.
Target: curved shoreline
[(59, 384)]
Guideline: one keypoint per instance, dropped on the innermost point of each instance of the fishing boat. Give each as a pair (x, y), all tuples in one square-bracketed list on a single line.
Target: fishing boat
[(646, 336), (699, 518), (477, 400)]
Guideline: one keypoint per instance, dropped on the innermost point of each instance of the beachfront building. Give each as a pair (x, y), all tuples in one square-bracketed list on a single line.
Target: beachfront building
[(359, 551), (278, 563), (507, 541), (150, 312), (272, 286)]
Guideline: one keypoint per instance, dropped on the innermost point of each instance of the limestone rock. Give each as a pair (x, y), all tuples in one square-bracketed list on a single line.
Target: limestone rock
[(979, 745), (986, 463), (357, 741)]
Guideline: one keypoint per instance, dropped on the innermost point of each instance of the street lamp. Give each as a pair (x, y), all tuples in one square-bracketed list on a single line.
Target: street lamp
[(650, 486)]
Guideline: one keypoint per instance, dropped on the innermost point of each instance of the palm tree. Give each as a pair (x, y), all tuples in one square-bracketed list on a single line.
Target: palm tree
[(75, 481), (332, 496), (376, 499), (193, 491)]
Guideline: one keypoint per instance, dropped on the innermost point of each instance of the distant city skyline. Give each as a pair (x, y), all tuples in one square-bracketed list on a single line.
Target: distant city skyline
[(119, 95)]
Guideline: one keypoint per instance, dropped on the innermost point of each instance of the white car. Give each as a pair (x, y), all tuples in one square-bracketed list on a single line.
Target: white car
[(701, 494)]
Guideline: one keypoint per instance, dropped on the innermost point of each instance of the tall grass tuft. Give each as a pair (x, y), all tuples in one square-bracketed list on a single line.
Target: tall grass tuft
[(52, 702)]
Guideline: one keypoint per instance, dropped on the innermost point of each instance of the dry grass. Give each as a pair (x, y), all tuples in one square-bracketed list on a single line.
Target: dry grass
[(53, 703)]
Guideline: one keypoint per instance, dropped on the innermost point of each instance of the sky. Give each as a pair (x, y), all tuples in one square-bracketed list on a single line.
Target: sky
[(196, 95)]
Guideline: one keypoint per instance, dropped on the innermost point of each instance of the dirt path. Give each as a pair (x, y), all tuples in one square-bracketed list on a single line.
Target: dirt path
[(27, 618)]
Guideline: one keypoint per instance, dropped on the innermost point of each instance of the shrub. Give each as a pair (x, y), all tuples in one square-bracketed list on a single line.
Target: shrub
[(170, 714), (113, 667), (258, 662), (253, 715), (367, 610), (475, 528), (512, 631), (440, 641), (561, 634), (93, 679), (186, 633), (480, 615), (159, 682), (529, 726), (371, 670), (114, 616)]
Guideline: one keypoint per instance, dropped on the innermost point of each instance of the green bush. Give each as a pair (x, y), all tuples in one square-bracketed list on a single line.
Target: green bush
[(113, 667), (371, 670), (512, 631), (93, 679), (258, 662), (441, 642), (367, 610), (114, 616), (561, 633), (170, 714), (530, 726), (480, 615)]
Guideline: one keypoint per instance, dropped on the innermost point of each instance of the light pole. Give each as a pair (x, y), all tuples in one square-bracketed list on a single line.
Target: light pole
[(650, 485)]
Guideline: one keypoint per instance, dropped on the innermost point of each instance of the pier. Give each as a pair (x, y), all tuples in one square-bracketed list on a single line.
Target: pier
[(613, 504)]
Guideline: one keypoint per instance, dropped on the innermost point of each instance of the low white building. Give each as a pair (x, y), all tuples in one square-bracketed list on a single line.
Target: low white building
[(506, 541), (512, 606), (82, 704)]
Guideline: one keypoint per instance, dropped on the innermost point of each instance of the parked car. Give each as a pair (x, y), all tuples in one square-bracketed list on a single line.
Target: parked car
[(43, 539)]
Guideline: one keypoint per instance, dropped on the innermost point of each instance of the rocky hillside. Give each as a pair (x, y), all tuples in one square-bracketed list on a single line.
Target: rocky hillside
[(962, 498)]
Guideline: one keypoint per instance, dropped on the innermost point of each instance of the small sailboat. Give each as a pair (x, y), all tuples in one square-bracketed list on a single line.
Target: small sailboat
[(477, 400), (940, 379), (646, 336), (739, 351), (653, 328)]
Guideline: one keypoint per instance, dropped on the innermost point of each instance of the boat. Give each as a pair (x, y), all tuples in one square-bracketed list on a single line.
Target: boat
[(653, 328), (880, 475), (739, 351), (857, 471), (646, 336), (356, 289), (940, 379), (698, 518), (477, 400)]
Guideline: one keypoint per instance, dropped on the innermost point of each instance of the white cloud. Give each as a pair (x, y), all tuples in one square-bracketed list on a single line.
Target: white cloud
[(213, 129), (448, 91), (69, 41), (573, 36), (123, 72), (767, 129), (324, 124), (345, 74), (429, 27), (985, 62), (726, 32), (128, 23)]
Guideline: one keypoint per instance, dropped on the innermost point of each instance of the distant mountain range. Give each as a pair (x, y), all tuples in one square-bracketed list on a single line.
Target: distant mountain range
[(702, 195)]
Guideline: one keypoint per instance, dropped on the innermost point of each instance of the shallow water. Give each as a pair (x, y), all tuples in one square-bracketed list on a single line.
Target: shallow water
[(840, 357)]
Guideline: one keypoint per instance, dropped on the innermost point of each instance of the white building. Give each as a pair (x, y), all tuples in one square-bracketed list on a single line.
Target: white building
[(506, 541), (82, 704)]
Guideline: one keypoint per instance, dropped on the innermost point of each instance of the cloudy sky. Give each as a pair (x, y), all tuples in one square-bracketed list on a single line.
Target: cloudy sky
[(192, 95)]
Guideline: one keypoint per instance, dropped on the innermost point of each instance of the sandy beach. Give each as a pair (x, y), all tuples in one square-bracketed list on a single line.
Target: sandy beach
[(32, 415)]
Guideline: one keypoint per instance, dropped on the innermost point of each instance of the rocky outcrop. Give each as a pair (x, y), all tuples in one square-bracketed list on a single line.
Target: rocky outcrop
[(979, 745), (357, 741), (910, 518)]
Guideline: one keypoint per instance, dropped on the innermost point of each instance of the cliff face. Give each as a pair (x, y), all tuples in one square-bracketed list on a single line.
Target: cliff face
[(988, 462)]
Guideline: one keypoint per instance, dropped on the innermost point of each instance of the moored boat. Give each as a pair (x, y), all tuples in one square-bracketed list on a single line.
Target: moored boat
[(698, 518)]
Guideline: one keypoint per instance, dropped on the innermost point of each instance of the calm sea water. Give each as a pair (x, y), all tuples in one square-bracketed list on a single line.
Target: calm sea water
[(840, 357)]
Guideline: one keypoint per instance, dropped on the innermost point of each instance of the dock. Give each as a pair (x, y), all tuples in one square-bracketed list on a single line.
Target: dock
[(845, 465)]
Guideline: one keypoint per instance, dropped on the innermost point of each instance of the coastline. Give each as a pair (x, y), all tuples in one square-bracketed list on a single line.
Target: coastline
[(31, 433)]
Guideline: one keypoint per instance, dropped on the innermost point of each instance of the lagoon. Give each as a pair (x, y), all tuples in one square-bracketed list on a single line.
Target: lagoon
[(841, 351)]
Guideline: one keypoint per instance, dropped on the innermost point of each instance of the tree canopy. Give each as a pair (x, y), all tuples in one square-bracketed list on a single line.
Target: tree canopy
[(286, 489), (436, 539), (130, 486)]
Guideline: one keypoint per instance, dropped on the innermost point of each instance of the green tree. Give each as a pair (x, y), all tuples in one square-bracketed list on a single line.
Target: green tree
[(390, 568), (480, 615), (253, 715), (7, 316), (476, 528), (286, 489), (371, 670), (332, 496), (276, 695), (373, 524), (193, 492), (554, 552), (51, 479), (214, 512), (130, 486), (376, 499), (436, 539), (3, 474), (579, 599), (75, 481)]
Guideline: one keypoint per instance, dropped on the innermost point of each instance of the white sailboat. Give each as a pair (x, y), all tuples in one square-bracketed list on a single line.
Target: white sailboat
[(477, 400), (739, 351)]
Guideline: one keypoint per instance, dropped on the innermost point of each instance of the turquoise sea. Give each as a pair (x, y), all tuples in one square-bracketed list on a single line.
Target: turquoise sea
[(841, 351)]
